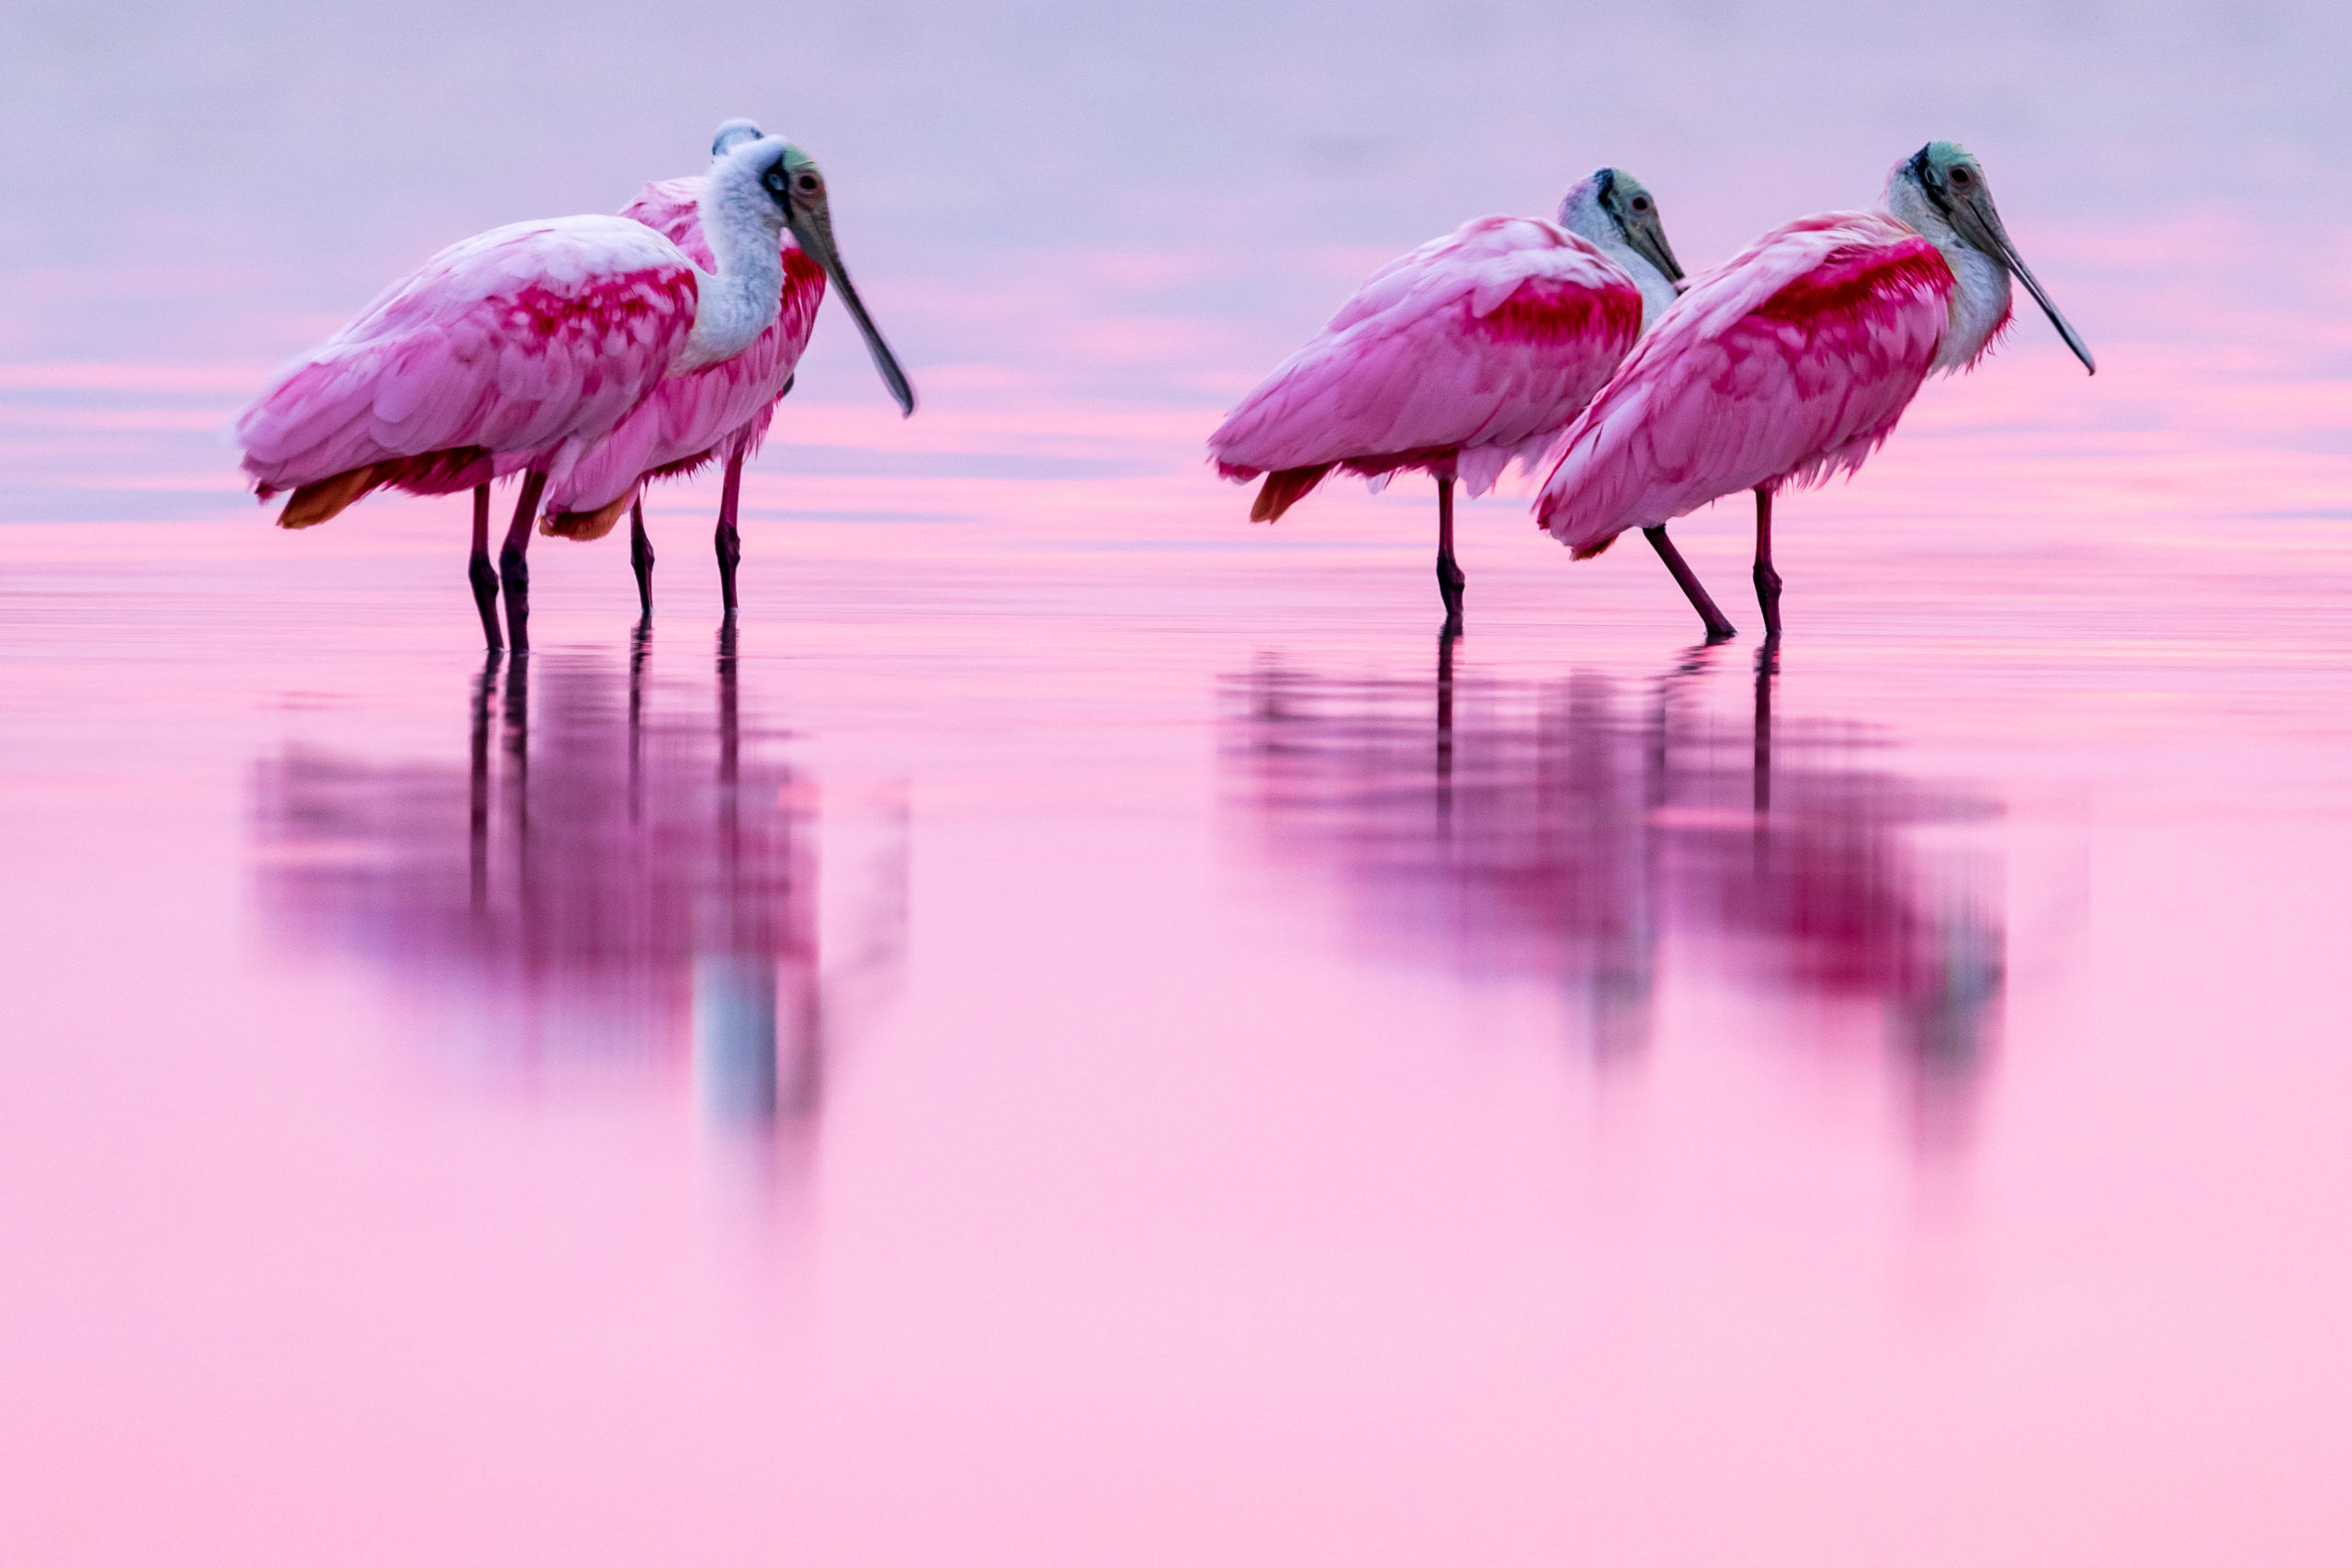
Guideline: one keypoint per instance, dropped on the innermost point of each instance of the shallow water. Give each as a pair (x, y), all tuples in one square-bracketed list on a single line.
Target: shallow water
[(1084, 1030)]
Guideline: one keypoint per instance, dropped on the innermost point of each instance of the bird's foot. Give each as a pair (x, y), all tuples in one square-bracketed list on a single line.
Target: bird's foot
[(485, 581), (1768, 598), (1450, 581), (514, 577), (640, 559), (730, 551)]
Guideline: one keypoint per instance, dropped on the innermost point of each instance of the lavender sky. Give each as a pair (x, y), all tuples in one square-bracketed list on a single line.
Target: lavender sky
[(188, 177)]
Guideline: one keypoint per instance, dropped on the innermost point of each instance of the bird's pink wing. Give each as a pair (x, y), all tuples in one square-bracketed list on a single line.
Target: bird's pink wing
[(689, 418), (521, 345), (1490, 338), (673, 208), (1786, 363)]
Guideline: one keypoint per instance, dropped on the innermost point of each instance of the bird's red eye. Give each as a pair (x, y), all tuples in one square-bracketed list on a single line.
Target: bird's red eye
[(1641, 204), (1959, 176), (807, 182)]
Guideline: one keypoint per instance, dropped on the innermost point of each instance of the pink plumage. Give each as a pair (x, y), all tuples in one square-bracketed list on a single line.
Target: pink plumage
[(718, 411), (1454, 358), (1789, 363), (519, 348)]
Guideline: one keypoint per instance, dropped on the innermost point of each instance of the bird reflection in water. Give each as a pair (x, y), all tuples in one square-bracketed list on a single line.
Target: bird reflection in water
[(605, 882), (1567, 832)]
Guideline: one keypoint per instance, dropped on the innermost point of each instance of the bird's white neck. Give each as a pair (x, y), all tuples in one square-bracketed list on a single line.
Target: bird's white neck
[(742, 227), (1582, 215), (1979, 299)]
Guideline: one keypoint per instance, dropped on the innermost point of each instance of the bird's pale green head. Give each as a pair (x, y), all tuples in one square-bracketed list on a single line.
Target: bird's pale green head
[(1937, 162), (798, 186), (1631, 207), (1950, 185)]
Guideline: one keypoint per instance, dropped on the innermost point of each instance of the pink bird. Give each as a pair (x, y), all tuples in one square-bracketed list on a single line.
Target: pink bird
[(520, 350), (1789, 363), (1456, 358), (715, 411)]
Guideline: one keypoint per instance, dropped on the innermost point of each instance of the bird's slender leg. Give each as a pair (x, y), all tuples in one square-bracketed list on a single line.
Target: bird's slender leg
[(1449, 573), (1719, 625), (516, 578), (640, 560), (1767, 582), (729, 543), (485, 580)]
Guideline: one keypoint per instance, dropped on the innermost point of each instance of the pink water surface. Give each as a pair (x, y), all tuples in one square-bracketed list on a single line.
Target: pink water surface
[(1081, 1032)]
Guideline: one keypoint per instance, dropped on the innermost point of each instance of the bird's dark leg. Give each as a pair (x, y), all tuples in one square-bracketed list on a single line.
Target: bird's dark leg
[(485, 580), (516, 578), (640, 560), (1767, 582), (1719, 625), (1449, 574), (729, 543)]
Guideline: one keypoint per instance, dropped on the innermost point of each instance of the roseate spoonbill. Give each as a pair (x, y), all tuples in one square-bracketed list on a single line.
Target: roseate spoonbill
[(1792, 362), (519, 350), (1456, 358), (718, 411)]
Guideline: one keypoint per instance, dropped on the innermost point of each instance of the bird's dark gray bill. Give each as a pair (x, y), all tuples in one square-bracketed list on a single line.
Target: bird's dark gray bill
[(815, 233), (1991, 235), (885, 361)]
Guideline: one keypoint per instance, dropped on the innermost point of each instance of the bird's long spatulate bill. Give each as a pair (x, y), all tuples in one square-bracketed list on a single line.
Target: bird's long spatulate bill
[(1977, 213), (817, 238), (1648, 239)]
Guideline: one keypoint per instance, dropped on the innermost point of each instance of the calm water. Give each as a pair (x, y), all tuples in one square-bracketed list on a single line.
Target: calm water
[(1081, 1032)]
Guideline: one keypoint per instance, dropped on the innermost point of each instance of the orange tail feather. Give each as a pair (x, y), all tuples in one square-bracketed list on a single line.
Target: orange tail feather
[(315, 503), (586, 524), (1283, 488)]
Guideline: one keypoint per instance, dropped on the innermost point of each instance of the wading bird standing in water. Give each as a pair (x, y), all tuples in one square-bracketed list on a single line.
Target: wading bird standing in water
[(715, 411), (1456, 358), (519, 350), (1792, 362)]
